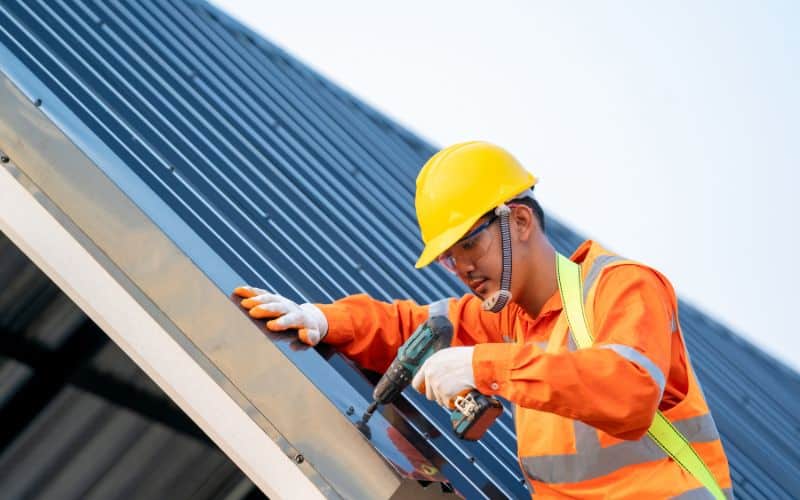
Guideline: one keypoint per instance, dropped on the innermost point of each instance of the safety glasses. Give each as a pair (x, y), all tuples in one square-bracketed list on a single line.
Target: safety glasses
[(468, 247)]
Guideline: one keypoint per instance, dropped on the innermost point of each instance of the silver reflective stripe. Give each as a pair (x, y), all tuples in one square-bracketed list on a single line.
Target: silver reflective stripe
[(438, 308), (640, 359), (594, 272), (592, 461), (586, 438), (702, 494), (541, 344), (597, 267), (700, 429)]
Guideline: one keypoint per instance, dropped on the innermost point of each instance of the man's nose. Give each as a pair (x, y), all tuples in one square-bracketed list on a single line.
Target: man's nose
[(464, 267)]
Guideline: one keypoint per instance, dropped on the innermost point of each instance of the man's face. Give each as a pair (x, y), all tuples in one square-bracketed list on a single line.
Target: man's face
[(477, 257)]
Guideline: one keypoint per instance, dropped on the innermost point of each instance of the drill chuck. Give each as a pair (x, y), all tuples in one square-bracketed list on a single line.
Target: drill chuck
[(396, 378)]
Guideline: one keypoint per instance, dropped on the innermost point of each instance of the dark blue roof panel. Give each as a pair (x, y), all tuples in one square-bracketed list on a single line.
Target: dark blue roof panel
[(297, 186)]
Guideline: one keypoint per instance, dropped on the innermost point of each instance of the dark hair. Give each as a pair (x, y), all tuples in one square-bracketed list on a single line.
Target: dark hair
[(531, 203)]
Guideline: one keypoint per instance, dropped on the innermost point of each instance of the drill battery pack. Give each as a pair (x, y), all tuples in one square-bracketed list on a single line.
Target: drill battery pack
[(473, 414)]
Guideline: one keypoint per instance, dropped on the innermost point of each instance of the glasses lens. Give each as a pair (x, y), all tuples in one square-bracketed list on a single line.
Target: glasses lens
[(470, 247), (448, 262)]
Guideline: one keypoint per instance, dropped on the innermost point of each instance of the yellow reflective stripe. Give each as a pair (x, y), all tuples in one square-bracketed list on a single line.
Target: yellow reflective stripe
[(676, 446), (661, 431), (569, 285)]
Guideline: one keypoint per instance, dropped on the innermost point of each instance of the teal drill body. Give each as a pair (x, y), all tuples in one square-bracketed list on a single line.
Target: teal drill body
[(473, 412), (429, 337)]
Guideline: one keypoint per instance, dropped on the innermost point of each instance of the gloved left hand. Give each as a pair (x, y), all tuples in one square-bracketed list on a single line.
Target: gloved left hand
[(446, 374), (284, 314)]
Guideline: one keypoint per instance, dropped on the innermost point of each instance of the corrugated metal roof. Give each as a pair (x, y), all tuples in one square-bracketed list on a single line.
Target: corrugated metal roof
[(301, 188)]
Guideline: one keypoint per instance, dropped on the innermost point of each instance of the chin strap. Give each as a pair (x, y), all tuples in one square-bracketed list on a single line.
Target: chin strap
[(498, 300)]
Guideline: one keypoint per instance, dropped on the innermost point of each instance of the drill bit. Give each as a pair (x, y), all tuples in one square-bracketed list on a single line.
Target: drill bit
[(370, 410), (361, 425)]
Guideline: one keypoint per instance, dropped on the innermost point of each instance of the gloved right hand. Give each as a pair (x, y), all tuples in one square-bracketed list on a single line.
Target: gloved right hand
[(307, 319)]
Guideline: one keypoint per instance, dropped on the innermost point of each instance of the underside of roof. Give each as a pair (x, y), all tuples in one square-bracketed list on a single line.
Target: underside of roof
[(183, 155), (80, 419)]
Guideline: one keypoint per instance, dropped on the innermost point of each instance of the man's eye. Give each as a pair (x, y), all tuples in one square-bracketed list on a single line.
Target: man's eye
[(467, 244)]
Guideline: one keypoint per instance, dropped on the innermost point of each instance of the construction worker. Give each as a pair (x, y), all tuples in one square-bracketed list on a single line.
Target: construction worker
[(605, 398)]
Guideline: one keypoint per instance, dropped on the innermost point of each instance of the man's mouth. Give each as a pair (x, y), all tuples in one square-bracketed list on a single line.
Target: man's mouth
[(478, 286)]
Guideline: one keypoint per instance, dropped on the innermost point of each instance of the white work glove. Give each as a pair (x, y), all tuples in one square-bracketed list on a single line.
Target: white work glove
[(307, 319), (446, 374)]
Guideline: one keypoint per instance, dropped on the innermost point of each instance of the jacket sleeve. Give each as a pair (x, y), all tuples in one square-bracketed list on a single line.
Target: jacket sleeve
[(369, 331), (616, 384)]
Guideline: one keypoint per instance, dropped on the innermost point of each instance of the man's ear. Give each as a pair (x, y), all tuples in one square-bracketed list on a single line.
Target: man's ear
[(522, 217)]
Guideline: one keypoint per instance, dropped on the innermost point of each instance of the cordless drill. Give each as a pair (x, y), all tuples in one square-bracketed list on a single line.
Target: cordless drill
[(473, 412)]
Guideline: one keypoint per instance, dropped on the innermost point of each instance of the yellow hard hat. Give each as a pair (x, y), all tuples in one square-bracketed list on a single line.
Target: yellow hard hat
[(457, 186)]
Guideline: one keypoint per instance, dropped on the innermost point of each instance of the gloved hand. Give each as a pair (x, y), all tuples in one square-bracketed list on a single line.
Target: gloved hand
[(308, 319), (446, 374)]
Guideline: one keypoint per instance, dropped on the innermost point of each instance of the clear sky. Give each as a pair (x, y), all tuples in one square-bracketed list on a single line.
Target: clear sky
[(668, 131)]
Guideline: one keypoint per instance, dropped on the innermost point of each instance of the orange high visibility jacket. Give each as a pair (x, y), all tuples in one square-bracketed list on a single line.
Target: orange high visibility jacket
[(581, 416)]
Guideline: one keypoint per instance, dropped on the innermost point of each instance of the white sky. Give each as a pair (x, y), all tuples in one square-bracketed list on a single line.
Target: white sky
[(669, 131)]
